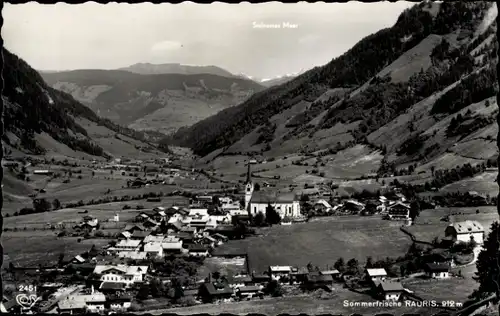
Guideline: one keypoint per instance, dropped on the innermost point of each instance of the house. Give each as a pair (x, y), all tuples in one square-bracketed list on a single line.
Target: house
[(107, 287), (124, 235), (334, 273), (171, 245), (249, 291), (95, 302), (139, 235), (128, 275), (134, 255), (260, 278), (198, 251), (465, 231), (279, 272), (240, 281), (353, 206), (389, 291), (150, 223), (318, 280), (135, 227), (213, 292), (322, 205), (198, 212), (189, 230), (298, 275), (378, 274), (437, 271), (126, 245), (142, 217), (398, 211)]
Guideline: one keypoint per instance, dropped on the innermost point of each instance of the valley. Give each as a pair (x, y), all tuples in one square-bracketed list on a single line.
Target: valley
[(168, 188)]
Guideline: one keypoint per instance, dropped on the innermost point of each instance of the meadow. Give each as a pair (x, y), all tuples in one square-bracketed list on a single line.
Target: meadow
[(28, 249), (321, 242)]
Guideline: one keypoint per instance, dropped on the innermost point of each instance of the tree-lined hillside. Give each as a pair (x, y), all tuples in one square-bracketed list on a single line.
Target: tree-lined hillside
[(374, 100)]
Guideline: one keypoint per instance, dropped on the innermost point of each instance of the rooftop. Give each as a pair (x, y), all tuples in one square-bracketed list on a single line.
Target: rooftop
[(436, 267), (467, 227), (391, 286), (268, 197), (376, 272)]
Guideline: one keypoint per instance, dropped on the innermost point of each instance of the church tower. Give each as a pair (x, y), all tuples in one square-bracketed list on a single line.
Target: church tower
[(248, 189)]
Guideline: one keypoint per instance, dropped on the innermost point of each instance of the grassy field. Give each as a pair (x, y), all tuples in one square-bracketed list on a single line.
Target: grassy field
[(102, 212), (33, 248), (453, 289), (483, 183), (321, 242)]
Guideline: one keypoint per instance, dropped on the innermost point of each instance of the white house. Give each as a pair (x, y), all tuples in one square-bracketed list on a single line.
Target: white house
[(278, 272), (154, 249), (127, 275), (378, 274), (465, 231), (134, 255), (399, 211), (171, 245), (198, 212), (126, 245), (437, 271)]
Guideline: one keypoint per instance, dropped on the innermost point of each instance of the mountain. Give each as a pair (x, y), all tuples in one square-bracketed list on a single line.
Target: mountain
[(161, 102), (271, 81), (172, 68), (420, 92), (41, 120)]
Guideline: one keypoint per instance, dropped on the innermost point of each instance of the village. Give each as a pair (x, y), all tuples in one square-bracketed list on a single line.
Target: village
[(159, 251)]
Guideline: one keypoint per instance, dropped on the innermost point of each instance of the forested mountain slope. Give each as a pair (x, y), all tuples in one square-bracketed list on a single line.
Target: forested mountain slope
[(162, 102), (359, 97), (37, 117)]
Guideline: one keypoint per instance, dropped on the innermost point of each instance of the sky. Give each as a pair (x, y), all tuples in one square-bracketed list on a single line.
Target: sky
[(240, 38)]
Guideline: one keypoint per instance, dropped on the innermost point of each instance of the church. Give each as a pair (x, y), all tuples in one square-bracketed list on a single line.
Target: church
[(287, 205)]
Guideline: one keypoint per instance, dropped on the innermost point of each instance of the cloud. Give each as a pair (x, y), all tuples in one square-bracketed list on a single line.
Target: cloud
[(165, 46)]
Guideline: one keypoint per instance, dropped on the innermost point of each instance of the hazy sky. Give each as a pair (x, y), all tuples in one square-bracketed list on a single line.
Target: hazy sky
[(91, 35)]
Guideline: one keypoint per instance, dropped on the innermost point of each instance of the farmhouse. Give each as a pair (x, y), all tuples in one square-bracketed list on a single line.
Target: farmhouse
[(465, 231), (240, 281), (389, 291), (399, 211), (212, 291), (437, 271), (171, 245), (198, 251), (128, 275), (119, 302), (111, 287), (378, 274), (353, 206), (127, 245), (279, 272), (249, 291), (255, 202)]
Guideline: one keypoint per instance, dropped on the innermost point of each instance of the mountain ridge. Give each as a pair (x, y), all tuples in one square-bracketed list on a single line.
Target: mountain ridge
[(371, 99)]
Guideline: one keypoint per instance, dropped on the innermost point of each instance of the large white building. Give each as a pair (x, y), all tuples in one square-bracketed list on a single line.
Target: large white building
[(465, 231), (128, 275), (287, 205)]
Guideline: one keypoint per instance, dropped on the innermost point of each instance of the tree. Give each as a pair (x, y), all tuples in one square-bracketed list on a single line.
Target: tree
[(272, 217), (143, 292), (273, 288), (178, 292), (156, 288), (41, 205), (256, 187), (56, 204), (259, 219), (369, 263), (353, 266), (414, 210), (340, 265)]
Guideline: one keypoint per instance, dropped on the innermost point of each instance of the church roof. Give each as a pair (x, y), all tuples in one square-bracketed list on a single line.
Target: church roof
[(268, 197)]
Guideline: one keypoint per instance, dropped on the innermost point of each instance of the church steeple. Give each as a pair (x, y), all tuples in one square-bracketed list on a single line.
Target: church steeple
[(249, 175)]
